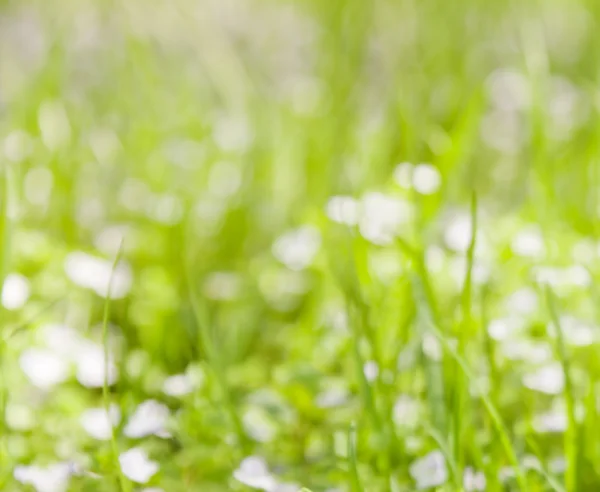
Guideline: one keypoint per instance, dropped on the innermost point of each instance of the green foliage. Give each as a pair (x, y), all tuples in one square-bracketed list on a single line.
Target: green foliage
[(356, 239)]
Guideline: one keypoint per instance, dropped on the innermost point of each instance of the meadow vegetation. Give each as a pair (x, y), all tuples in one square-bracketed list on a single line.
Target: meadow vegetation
[(345, 245)]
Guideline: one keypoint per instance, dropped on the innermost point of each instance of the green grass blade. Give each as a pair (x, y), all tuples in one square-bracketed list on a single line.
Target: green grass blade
[(487, 403), (464, 329), (354, 478), (572, 445), (124, 484), (213, 356)]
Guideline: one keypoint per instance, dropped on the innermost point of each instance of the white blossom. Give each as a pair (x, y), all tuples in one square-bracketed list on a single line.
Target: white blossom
[(15, 291), (51, 478), (43, 368), (98, 423), (529, 243), (150, 417), (343, 210), (407, 411), (523, 301), (429, 471), (426, 179), (382, 217), (136, 465), (473, 480), (178, 385), (458, 232), (549, 379), (54, 125), (505, 328), (297, 248), (371, 370), (553, 421), (254, 472), (91, 366), (333, 397), (403, 175), (95, 274)]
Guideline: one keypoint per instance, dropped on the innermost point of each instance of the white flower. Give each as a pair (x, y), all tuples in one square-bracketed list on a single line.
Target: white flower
[(548, 275), (51, 478), (222, 286), (20, 417), (15, 291), (508, 90), (17, 145), (403, 175), (523, 301), (63, 340), (165, 208), (258, 425), (530, 462), (432, 347), (386, 265), (526, 350), (37, 186), (282, 287), (506, 473), (136, 465), (343, 210), (549, 379), (95, 273), (110, 239), (504, 328), (254, 472), (557, 465), (178, 385), (91, 366), (575, 331), (232, 133), (529, 243), (43, 368), (584, 251), (502, 131), (473, 480), (426, 179), (578, 276), (429, 471), (572, 276), (406, 411), (54, 125), (225, 179), (382, 217), (435, 258), (458, 232), (554, 421), (150, 417), (104, 144), (480, 273), (98, 423), (371, 370), (333, 397), (297, 248)]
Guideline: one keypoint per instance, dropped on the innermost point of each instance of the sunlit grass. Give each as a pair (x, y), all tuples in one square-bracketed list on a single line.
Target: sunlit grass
[(345, 245)]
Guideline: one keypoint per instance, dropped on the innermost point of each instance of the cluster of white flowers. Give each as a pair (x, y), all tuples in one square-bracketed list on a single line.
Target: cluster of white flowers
[(380, 217), (15, 291), (51, 365), (254, 472), (98, 274)]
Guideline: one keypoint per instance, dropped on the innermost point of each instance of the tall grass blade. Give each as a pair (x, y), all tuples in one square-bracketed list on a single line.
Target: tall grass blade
[(572, 444), (124, 484)]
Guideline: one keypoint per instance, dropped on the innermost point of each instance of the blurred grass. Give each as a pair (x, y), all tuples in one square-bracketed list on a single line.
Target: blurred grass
[(208, 129)]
